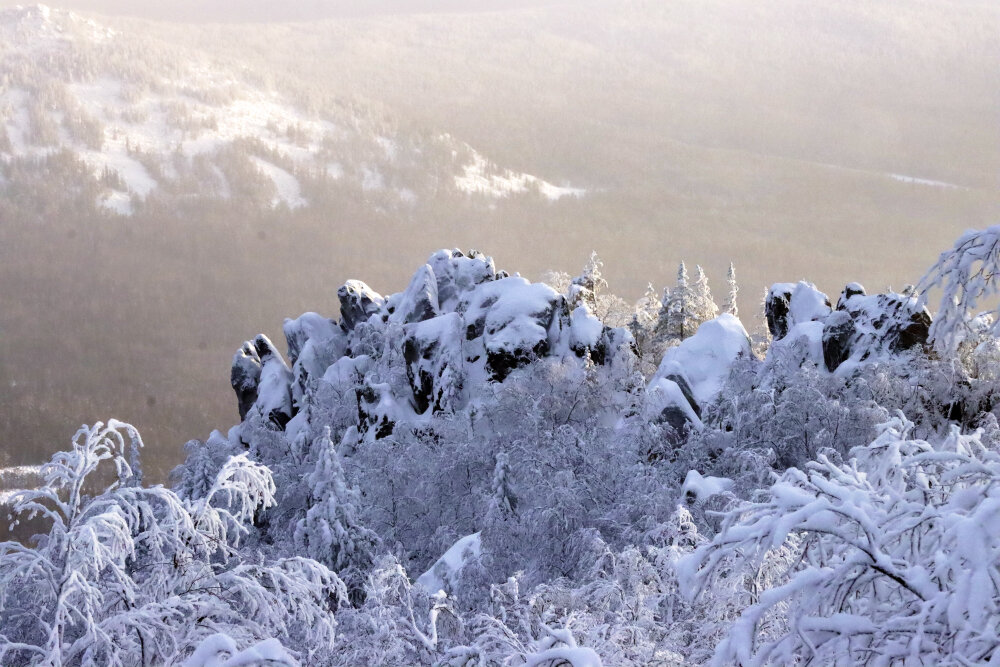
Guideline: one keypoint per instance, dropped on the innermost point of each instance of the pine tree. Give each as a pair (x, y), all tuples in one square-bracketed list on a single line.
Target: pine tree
[(331, 532), (677, 315), (704, 307), (504, 499), (645, 318), (583, 289), (730, 306)]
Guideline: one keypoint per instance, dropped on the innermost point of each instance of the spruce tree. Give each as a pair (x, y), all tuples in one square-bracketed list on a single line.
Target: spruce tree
[(730, 306), (680, 322), (645, 318), (331, 532), (704, 307), (583, 289)]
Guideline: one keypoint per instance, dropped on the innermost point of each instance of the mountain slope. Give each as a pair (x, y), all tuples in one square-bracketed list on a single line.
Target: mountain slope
[(150, 119)]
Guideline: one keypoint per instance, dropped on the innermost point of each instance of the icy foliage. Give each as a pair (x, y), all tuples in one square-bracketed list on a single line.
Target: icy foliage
[(443, 574), (704, 359), (833, 502), (966, 274), (896, 557), (122, 574)]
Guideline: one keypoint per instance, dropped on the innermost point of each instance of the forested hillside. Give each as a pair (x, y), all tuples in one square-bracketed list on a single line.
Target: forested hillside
[(483, 470)]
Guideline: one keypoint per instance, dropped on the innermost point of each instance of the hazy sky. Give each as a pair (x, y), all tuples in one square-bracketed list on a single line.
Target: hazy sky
[(270, 10)]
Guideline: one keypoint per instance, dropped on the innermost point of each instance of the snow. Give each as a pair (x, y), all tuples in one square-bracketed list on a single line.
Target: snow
[(808, 336), (574, 657), (663, 393), (511, 307), (702, 487), (483, 177), (220, 650), (371, 179), (273, 392), (806, 304), (914, 180), (289, 192), (586, 329), (117, 201), (443, 574), (704, 359)]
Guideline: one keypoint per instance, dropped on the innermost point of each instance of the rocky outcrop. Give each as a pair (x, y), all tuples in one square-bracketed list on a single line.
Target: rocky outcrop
[(459, 322), (866, 327), (863, 327), (789, 304), (692, 374), (358, 302), (261, 380)]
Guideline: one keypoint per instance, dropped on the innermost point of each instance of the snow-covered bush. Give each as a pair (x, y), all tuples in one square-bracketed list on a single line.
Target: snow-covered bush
[(966, 274), (895, 558), (136, 576)]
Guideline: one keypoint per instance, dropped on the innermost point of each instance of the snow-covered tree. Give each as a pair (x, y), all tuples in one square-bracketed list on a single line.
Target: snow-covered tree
[(644, 319), (895, 558), (504, 500), (140, 576), (684, 308), (967, 275), (331, 531), (703, 304), (732, 291), (584, 288)]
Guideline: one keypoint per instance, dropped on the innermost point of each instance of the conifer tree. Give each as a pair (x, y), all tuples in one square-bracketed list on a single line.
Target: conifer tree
[(704, 307), (678, 310), (504, 500), (584, 289), (645, 318), (730, 306), (331, 532)]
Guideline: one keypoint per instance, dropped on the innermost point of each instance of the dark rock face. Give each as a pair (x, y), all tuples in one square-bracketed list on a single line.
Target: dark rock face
[(358, 302), (677, 421), (838, 332), (776, 310), (502, 362), (788, 304), (865, 326), (459, 321), (245, 373)]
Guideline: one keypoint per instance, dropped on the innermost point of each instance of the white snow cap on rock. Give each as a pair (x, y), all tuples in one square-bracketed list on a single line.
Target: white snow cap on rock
[(700, 487), (443, 574), (663, 393), (704, 359), (220, 650), (807, 303)]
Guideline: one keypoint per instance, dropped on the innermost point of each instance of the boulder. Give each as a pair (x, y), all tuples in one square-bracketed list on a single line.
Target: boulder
[(788, 304), (358, 302), (261, 379), (867, 327)]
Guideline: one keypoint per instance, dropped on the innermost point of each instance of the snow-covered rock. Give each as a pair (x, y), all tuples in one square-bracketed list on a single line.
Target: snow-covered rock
[(865, 328), (862, 328), (788, 304), (698, 487), (692, 374), (705, 359), (443, 575), (459, 323), (358, 302)]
